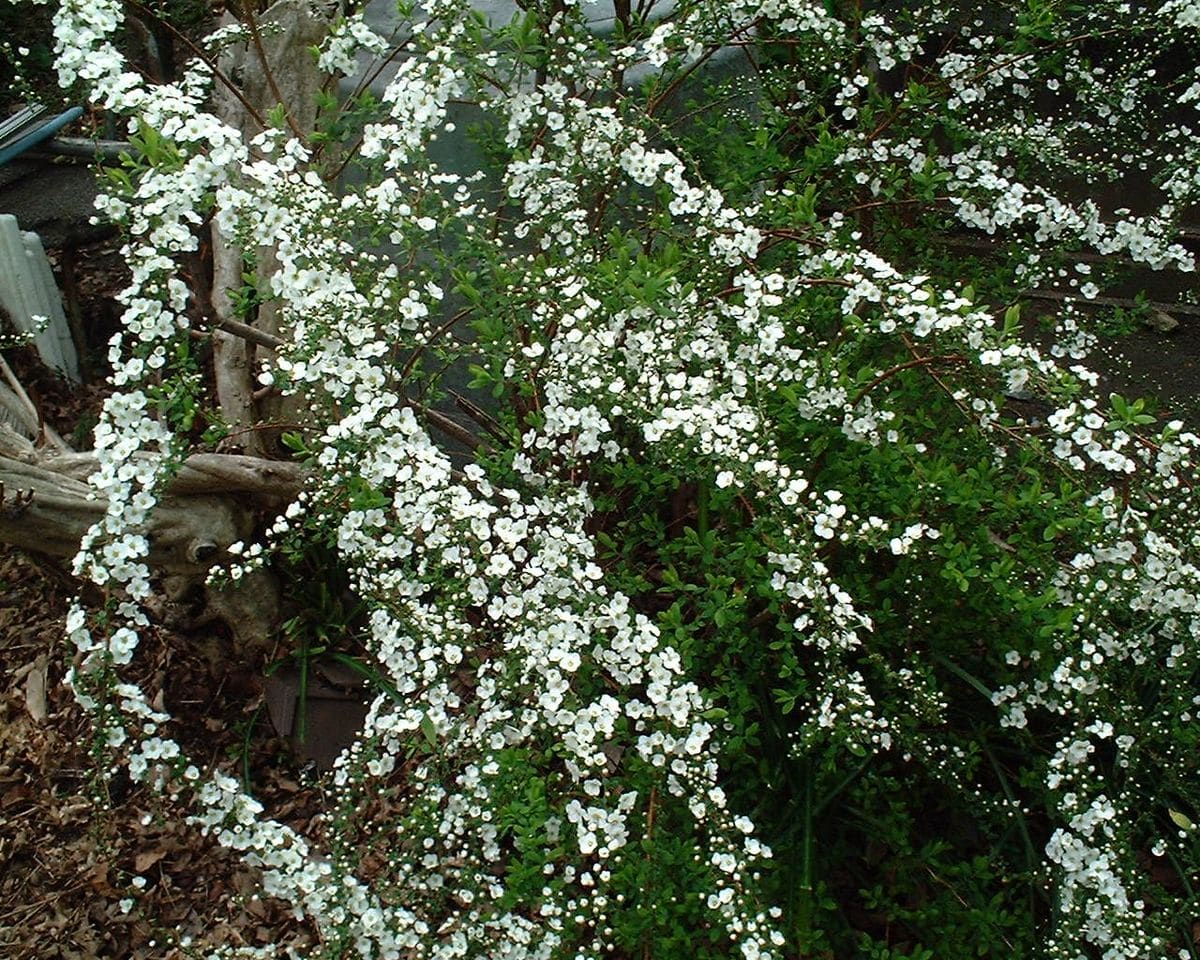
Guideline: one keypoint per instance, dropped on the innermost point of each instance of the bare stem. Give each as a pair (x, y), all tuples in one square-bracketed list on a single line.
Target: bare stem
[(205, 58), (256, 39)]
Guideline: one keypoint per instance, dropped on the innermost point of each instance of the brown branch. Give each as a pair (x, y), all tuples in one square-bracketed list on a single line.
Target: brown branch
[(479, 415), (207, 60), (248, 333), (907, 365), (450, 428), (1005, 64), (235, 473), (256, 38), (916, 355), (908, 201), (1014, 434)]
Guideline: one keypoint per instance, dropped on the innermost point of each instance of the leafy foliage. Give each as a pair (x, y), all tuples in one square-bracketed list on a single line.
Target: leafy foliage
[(798, 603)]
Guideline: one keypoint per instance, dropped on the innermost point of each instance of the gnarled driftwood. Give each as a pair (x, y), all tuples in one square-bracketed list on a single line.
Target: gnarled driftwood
[(46, 507)]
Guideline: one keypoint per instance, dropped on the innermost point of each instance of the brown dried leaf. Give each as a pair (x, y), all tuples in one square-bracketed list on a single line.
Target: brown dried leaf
[(17, 793), (98, 878), (35, 689), (145, 860)]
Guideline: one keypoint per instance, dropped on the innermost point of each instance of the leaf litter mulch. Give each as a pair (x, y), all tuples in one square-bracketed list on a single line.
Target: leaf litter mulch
[(96, 868)]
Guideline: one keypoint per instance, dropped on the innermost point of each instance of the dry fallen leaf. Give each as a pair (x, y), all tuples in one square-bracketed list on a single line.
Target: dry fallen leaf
[(35, 689), (144, 861), (98, 877)]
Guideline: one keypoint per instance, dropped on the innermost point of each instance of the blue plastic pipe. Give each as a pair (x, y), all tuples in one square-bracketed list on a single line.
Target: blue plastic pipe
[(44, 132)]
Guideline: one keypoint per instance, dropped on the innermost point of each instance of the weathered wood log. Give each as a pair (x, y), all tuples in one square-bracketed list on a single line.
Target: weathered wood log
[(267, 482), (48, 512), (47, 505)]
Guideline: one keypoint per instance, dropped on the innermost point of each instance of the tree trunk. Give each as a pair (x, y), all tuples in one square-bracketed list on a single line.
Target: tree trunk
[(46, 504), (277, 66)]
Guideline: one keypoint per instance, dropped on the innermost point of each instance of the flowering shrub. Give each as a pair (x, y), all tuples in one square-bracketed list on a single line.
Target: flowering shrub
[(761, 563)]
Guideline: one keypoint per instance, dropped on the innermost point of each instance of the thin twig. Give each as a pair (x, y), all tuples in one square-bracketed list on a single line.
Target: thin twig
[(966, 412), (907, 365), (379, 68), (365, 85), (206, 59), (656, 101), (256, 38), (437, 334), (651, 805)]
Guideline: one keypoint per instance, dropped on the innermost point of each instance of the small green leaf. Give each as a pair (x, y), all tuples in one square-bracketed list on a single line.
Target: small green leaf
[(294, 442), (429, 730), (1180, 820)]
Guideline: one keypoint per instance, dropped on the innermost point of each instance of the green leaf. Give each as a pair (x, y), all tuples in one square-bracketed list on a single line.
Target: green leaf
[(293, 441), (430, 731), (277, 116), (1012, 319), (1180, 820)]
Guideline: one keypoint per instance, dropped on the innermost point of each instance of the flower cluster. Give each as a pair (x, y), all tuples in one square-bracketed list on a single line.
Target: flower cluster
[(837, 412)]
